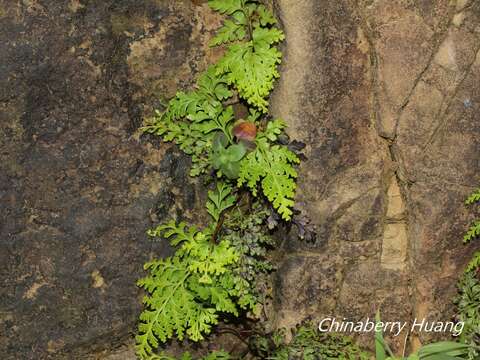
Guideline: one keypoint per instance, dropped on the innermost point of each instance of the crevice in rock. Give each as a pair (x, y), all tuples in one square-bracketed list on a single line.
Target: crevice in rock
[(444, 111)]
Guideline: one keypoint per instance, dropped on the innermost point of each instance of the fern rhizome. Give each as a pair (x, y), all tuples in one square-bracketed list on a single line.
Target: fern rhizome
[(216, 270)]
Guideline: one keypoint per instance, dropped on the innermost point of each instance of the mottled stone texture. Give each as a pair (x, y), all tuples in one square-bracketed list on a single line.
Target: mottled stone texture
[(385, 95), (383, 92), (78, 188)]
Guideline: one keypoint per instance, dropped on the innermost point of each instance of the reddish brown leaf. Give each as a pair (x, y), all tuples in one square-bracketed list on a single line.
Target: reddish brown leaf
[(245, 130)]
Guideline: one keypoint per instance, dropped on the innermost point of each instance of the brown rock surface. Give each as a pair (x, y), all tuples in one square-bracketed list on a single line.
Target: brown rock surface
[(384, 94), (78, 188)]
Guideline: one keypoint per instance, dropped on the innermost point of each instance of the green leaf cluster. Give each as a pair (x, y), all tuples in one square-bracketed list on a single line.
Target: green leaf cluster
[(251, 65), (474, 230), (226, 159), (192, 119), (222, 268), (220, 200), (190, 290), (215, 355), (201, 124), (443, 350), (248, 234), (308, 343), (472, 233), (468, 308), (271, 166)]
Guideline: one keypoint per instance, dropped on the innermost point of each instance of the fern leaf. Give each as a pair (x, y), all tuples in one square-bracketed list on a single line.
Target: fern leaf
[(273, 165), (265, 16), (230, 31), (264, 37), (167, 308), (472, 233), (473, 198), (474, 264), (274, 128), (252, 66), (220, 200), (226, 6)]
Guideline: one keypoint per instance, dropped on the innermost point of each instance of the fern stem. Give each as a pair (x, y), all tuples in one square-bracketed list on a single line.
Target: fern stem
[(249, 22), (218, 227)]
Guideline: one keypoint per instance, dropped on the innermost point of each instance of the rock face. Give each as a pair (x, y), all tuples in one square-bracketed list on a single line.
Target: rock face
[(386, 101), (78, 189), (384, 94)]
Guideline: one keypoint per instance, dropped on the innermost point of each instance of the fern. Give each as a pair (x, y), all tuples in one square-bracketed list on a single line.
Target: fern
[(231, 30), (220, 200), (215, 355), (474, 264), (251, 66), (272, 167), (474, 230), (188, 291), (191, 119), (227, 7), (468, 305), (218, 270), (248, 234), (473, 198)]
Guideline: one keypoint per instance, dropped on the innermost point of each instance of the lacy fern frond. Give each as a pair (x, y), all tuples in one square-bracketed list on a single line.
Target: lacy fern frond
[(220, 200), (274, 128), (248, 233), (226, 6), (474, 264), (272, 166), (251, 66), (229, 32), (187, 292), (473, 198), (468, 305), (473, 232), (192, 118), (252, 71)]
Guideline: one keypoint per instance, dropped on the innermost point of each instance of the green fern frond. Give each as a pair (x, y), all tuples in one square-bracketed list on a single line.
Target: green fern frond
[(250, 66), (229, 32), (192, 118), (187, 292), (265, 16), (220, 200), (474, 264), (274, 128), (474, 230), (473, 198), (252, 71), (227, 7), (272, 166), (472, 233)]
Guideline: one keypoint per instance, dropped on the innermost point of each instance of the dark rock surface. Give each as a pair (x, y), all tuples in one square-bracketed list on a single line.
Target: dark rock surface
[(384, 94), (78, 188)]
